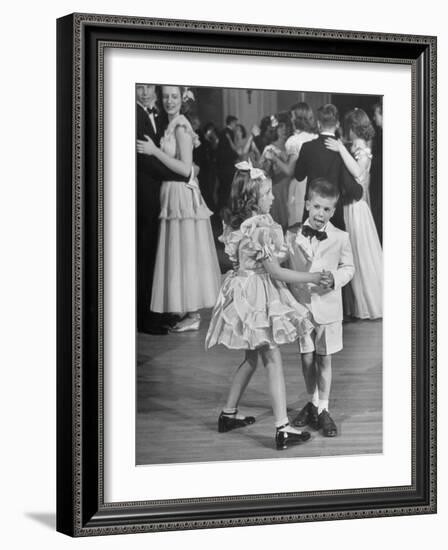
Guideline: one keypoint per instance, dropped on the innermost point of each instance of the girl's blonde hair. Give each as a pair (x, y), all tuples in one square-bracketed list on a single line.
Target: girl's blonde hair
[(244, 197)]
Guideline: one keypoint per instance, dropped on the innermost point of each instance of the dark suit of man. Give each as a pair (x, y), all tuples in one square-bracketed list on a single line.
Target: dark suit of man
[(150, 174), (376, 181), (226, 158), (316, 161)]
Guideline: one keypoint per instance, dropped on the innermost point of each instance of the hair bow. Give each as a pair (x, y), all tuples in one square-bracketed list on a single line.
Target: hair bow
[(188, 95), (246, 166)]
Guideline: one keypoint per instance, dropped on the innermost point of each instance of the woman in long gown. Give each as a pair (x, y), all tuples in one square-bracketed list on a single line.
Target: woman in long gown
[(186, 275), (367, 282)]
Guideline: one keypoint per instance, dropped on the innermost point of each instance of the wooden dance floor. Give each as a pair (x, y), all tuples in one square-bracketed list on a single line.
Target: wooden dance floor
[(181, 389)]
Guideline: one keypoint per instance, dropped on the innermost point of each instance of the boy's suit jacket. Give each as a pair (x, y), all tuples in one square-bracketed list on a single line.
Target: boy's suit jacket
[(331, 254)]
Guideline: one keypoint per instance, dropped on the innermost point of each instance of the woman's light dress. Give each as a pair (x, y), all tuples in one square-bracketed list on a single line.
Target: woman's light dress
[(367, 282), (187, 275), (296, 193)]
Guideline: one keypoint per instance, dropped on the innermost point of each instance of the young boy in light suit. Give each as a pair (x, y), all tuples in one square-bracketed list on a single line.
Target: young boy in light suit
[(317, 245)]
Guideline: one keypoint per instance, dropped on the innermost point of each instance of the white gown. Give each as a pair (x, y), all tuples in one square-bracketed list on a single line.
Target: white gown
[(296, 192), (367, 282)]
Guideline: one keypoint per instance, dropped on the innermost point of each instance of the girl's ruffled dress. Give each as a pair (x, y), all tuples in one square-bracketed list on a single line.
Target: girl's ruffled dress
[(252, 309)]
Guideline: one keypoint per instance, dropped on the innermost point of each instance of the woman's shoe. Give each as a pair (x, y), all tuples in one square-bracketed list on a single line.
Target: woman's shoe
[(284, 439), (190, 322), (227, 423)]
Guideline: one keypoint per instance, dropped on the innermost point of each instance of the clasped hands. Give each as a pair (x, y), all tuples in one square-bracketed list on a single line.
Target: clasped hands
[(326, 279)]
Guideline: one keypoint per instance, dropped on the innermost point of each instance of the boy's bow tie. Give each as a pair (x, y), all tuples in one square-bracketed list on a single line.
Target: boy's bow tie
[(308, 231)]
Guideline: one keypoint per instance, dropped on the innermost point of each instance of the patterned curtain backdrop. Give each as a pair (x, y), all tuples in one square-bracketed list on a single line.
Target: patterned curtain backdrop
[(250, 106)]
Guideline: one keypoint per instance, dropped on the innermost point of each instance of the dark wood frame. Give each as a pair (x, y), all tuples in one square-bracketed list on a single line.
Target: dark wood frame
[(81, 39)]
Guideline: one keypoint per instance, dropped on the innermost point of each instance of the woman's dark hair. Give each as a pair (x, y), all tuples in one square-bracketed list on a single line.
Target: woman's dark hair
[(268, 133), (285, 118), (243, 130), (244, 197), (304, 117), (359, 123), (265, 124)]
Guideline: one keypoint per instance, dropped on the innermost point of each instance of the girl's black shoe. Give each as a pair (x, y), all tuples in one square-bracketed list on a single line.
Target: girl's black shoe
[(230, 422), (284, 439)]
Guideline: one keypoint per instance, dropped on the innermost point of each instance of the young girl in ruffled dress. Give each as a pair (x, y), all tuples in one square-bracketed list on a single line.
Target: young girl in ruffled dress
[(255, 311), (186, 274)]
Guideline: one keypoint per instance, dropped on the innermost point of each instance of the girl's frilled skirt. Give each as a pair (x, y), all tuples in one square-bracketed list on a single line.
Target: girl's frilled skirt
[(253, 310)]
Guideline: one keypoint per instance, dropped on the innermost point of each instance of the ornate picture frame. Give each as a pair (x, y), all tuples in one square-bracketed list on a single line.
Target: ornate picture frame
[(81, 506)]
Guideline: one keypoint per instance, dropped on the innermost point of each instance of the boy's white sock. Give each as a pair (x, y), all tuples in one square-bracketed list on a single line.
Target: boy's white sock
[(323, 404), (282, 422), (314, 397)]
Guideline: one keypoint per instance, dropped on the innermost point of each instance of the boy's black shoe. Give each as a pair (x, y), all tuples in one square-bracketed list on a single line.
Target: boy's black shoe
[(327, 425), (308, 416)]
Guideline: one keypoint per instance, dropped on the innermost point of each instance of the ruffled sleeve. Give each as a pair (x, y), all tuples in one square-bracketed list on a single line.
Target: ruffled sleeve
[(264, 235), (292, 146), (231, 240), (363, 156), (183, 122)]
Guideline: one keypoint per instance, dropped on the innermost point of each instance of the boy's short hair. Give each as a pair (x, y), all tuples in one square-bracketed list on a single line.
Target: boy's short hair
[(324, 188), (328, 115)]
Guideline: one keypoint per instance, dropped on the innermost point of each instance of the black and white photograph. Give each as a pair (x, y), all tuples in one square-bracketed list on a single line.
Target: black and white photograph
[(259, 273), (167, 275), (246, 275)]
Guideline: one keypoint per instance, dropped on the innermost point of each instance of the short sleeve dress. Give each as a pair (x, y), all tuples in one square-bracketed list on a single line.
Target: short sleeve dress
[(186, 274), (253, 310), (296, 193)]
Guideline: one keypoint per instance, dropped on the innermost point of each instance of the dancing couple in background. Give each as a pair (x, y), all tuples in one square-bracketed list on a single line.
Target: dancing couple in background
[(326, 156), (186, 276), (366, 299)]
